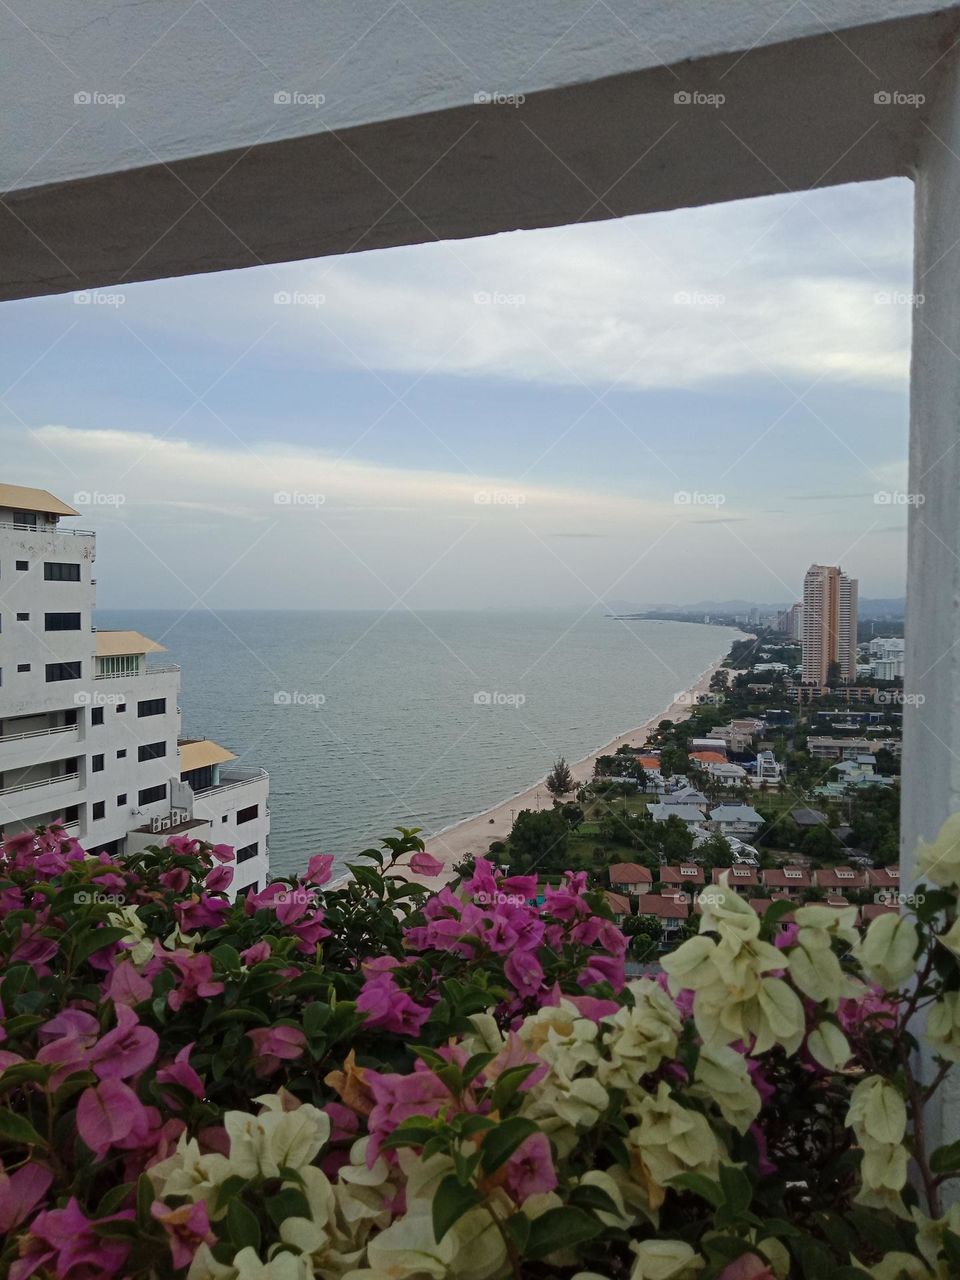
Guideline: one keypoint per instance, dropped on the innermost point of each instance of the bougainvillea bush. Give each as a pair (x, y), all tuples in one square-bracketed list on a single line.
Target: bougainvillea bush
[(371, 1081)]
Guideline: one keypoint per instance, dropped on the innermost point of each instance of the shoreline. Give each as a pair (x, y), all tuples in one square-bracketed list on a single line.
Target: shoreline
[(474, 834)]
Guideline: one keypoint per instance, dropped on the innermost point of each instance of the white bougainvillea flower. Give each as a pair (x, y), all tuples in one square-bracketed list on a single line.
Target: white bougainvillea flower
[(282, 1266), (189, 1173), (829, 1046), (260, 1145), (940, 861), (888, 950), (665, 1260), (669, 1139), (721, 1076), (636, 1040), (878, 1117), (723, 906), (943, 1026)]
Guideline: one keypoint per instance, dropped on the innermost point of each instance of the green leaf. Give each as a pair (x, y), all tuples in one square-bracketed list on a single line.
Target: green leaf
[(242, 1225), (227, 957), (287, 1203), (145, 1198), (700, 1185), (944, 1159), (508, 1082), (736, 1187), (588, 1197), (451, 1202), (315, 1018), (519, 1228), (560, 1228), (18, 1129), (23, 1073), (228, 1189), (475, 1065), (772, 917), (500, 1143), (113, 1200), (118, 1229), (96, 940)]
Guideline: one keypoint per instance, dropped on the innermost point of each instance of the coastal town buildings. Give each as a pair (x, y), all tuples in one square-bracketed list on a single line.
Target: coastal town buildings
[(829, 625), (89, 724)]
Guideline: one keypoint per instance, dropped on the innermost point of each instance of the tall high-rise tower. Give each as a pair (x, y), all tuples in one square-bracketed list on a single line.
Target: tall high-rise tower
[(830, 601)]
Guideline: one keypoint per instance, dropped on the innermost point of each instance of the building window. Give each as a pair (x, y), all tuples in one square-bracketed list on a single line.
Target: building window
[(99, 809), (151, 751), (121, 799), (150, 795), (61, 622), (96, 715), (63, 671), (121, 707), (23, 666), (247, 852), (122, 753), (23, 564), (152, 707), (25, 519), (23, 617), (54, 571), (247, 815), (127, 664), (96, 764)]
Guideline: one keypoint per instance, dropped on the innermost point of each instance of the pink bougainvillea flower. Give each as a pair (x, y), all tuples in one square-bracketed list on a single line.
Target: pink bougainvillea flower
[(196, 973), (20, 1193), (68, 1054), (522, 886), (222, 852), (126, 1050), (183, 844), (603, 968), (253, 955), (33, 948), (319, 869), (530, 1170), (126, 986), (591, 1007), (109, 1114), (64, 1241), (425, 864), (219, 879), (187, 1228), (201, 913), (180, 1072), (274, 1045), (398, 1097), (748, 1267), (310, 930), (70, 1022), (177, 879), (390, 1008), (524, 972)]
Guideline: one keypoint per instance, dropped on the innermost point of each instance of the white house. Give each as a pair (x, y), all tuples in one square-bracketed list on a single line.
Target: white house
[(736, 820), (89, 729)]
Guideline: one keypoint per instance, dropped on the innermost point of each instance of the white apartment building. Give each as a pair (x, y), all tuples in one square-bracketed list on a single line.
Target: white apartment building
[(89, 728)]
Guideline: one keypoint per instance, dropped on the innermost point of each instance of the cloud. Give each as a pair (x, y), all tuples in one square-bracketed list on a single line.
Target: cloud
[(792, 288)]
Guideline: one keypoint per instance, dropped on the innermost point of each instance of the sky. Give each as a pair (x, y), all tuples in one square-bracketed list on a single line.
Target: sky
[(667, 408)]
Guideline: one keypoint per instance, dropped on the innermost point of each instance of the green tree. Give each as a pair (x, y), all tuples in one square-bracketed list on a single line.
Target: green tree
[(560, 780), (540, 840)]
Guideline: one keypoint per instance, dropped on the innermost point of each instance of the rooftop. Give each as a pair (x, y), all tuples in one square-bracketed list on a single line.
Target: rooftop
[(121, 644), (22, 499), (199, 753)]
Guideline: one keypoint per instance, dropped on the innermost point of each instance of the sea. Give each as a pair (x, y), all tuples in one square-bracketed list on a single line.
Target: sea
[(367, 721)]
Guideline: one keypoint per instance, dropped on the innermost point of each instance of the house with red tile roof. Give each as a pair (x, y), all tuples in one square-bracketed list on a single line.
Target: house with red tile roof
[(708, 757), (874, 909), (686, 873), (618, 904), (792, 881), (737, 877), (671, 911), (630, 877), (839, 878), (883, 877)]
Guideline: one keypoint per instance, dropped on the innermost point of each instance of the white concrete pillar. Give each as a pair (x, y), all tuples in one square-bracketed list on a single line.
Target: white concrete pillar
[(931, 736)]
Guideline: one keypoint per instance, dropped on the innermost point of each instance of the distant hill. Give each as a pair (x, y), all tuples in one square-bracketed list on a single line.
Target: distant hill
[(869, 608)]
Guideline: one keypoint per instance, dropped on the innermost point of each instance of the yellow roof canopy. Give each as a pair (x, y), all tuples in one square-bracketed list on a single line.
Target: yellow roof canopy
[(120, 644), (199, 753), (22, 499)]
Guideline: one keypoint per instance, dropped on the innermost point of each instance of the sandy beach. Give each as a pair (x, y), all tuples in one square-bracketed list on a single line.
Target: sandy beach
[(473, 835)]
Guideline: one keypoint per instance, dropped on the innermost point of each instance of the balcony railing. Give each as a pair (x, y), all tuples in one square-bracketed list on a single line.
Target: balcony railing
[(144, 671), (35, 786), (236, 778), (54, 529), (36, 733)]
